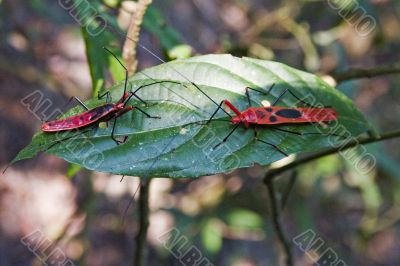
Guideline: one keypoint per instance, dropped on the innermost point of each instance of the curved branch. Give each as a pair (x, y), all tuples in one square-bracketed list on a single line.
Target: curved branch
[(354, 142), (357, 73)]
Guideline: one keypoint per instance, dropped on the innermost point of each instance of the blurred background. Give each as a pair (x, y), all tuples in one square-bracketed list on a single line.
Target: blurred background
[(226, 217)]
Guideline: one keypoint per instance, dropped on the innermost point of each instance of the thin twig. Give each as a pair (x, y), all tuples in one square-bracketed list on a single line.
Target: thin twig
[(129, 50), (352, 143), (275, 210), (357, 73), (289, 187), (141, 247)]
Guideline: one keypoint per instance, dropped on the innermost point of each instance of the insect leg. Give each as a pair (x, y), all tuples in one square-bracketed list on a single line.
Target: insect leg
[(126, 75), (107, 94), (260, 91), (273, 145), (78, 100), (248, 96), (219, 106), (270, 144), (69, 101), (295, 96), (215, 112), (133, 93), (146, 114), (305, 133), (227, 136), (113, 131)]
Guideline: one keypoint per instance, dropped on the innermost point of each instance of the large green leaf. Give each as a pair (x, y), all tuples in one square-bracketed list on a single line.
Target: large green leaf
[(173, 146)]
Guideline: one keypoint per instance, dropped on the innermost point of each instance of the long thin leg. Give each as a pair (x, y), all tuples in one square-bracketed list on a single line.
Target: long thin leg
[(120, 113), (294, 95), (273, 145), (268, 143), (113, 131), (304, 133), (226, 138), (215, 112), (69, 101), (134, 94), (126, 74), (146, 114), (107, 94), (126, 70), (281, 95), (259, 91), (219, 106), (78, 100), (248, 97), (262, 92)]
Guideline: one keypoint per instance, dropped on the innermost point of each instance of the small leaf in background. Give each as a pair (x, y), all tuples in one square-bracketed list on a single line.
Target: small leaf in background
[(181, 51), (170, 39), (177, 146), (99, 60), (211, 235), (73, 169), (242, 219)]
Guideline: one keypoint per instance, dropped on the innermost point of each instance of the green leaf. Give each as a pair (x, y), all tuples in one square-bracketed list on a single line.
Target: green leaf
[(212, 235), (101, 61), (154, 22), (73, 169), (242, 219), (174, 146)]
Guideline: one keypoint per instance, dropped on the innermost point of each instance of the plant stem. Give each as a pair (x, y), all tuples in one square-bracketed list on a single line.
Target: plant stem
[(129, 49), (356, 73), (141, 247), (289, 187), (352, 143), (275, 211)]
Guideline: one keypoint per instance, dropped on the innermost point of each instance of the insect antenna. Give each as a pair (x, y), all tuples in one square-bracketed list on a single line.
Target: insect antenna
[(118, 32), (126, 75)]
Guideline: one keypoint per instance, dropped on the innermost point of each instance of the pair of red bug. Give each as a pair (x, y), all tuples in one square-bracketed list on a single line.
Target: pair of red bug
[(252, 116)]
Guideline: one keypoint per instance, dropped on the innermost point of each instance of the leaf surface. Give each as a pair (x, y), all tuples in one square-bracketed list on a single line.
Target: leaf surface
[(177, 145)]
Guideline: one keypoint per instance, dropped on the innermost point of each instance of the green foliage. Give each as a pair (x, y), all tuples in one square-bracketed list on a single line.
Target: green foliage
[(242, 219), (177, 145), (154, 22), (211, 235)]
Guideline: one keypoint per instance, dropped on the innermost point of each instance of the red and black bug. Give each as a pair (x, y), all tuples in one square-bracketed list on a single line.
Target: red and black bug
[(101, 113), (274, 115)]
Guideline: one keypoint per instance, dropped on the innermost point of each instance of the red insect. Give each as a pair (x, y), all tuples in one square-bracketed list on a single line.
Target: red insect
[(280, 115), (101, 113), (274, 115)]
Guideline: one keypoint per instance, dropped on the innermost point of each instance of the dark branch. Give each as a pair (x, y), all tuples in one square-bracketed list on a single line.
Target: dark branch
[(275, 211), (289, 187), (357, 141), (141, 248), (357, 73)]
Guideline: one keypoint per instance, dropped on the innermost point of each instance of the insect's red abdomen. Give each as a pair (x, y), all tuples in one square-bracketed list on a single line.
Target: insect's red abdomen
[(320, 114), (81, 120), (282, 115)]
